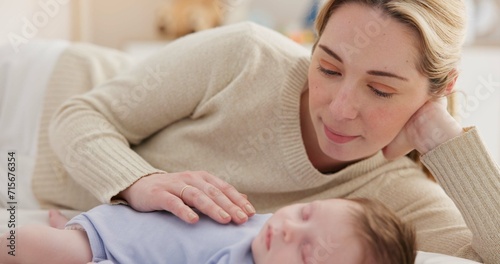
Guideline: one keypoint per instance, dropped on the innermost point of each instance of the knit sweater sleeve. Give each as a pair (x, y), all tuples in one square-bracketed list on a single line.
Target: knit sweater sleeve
[(93, 134), (469, 176)]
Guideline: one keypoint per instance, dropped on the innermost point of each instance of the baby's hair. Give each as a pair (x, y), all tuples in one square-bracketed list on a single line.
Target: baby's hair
[(388, 239)]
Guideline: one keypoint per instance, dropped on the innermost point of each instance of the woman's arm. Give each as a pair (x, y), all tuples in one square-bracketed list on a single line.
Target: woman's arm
[(470, 177), (464, 169), (93, 133)]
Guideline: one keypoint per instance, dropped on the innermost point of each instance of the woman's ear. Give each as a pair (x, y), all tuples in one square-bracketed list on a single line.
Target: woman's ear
[(454, 76)]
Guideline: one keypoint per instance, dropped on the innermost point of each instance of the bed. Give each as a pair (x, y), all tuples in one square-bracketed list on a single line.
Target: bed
[(18, 74)]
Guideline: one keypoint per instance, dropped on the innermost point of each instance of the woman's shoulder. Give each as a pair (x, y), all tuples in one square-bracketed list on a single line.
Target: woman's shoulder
[(250, 35), (99, 60), (252, 30)]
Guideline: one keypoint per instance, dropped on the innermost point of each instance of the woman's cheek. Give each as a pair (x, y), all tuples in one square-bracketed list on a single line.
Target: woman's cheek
[(319, 92), (383, 124)]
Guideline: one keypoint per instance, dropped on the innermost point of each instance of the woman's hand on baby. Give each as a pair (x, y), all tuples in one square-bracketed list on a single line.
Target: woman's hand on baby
[(179, 192), (429, 127)]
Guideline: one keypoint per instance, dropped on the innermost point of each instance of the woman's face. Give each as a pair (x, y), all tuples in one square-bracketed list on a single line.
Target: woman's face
[(363, 82)]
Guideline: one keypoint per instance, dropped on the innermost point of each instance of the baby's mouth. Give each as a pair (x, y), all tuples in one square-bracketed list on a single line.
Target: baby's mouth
[(269, 235)]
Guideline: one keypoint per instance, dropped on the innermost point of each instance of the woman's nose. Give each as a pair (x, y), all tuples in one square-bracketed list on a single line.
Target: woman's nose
[(344, 104)]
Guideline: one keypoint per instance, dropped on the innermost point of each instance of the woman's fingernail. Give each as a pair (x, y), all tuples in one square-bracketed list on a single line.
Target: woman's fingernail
[(192, 216), (241, 215), (223, 214), (250, 209)]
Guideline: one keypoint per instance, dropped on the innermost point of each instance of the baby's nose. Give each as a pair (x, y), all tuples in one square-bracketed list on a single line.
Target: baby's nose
[(291, 231)]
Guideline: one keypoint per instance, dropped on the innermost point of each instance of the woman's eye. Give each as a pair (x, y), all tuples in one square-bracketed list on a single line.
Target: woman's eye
[(328, 72), (380, 93)]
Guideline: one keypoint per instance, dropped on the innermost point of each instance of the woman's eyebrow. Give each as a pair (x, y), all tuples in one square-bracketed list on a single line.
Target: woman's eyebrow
[(330, 52), (372, 72), (386, 74)]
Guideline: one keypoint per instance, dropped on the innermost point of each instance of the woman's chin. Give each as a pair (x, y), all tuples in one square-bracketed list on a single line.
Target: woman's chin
[(348, 154)]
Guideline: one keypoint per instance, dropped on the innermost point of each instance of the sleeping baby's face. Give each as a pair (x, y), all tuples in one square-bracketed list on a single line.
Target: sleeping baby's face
[(317, 232)]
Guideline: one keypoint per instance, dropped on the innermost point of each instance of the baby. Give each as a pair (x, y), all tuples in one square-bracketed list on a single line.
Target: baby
[(325, 231)]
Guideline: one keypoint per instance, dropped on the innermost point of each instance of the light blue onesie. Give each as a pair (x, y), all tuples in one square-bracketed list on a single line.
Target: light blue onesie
[(119, 234)]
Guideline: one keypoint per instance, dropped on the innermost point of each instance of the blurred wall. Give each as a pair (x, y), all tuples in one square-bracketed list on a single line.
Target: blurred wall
[(115, 22), (479, 96), (279, 14), (23, 20)]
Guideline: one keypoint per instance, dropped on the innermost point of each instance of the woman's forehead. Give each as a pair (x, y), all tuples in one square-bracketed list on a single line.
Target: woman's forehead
[(362, 33)]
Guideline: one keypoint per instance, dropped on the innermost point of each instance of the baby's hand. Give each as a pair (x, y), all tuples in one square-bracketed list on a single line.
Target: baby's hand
[(178, 192)]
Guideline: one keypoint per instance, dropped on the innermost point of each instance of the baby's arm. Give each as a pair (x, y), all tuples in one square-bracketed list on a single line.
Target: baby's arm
[(42, 244)]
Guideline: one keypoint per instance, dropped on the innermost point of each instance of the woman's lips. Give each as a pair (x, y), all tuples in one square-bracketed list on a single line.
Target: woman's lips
[(340, 139)]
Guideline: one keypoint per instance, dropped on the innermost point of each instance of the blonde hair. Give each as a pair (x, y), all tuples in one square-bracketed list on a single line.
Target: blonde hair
[(440, 25), (387, 238)]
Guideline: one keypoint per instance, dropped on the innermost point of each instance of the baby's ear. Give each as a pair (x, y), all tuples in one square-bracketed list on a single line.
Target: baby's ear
[(454, 76)]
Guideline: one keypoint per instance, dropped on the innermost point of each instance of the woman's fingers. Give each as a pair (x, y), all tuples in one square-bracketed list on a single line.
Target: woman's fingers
[(233, 195), (207, 205), (178, 192), (172, 203), (399, 147), (217, 199), (217, 204)]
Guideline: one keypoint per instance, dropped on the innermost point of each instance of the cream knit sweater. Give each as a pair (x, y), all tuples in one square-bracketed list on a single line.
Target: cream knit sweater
[(227, 101)]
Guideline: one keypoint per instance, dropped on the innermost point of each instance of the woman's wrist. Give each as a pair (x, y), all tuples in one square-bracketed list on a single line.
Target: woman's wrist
[(442, 130), (119, 198)]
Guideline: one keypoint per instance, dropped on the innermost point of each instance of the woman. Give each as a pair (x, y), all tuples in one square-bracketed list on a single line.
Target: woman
[(243, 109)]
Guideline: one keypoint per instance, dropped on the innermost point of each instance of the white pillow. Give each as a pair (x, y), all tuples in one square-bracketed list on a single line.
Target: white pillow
[(23, 79), (435, 258)]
